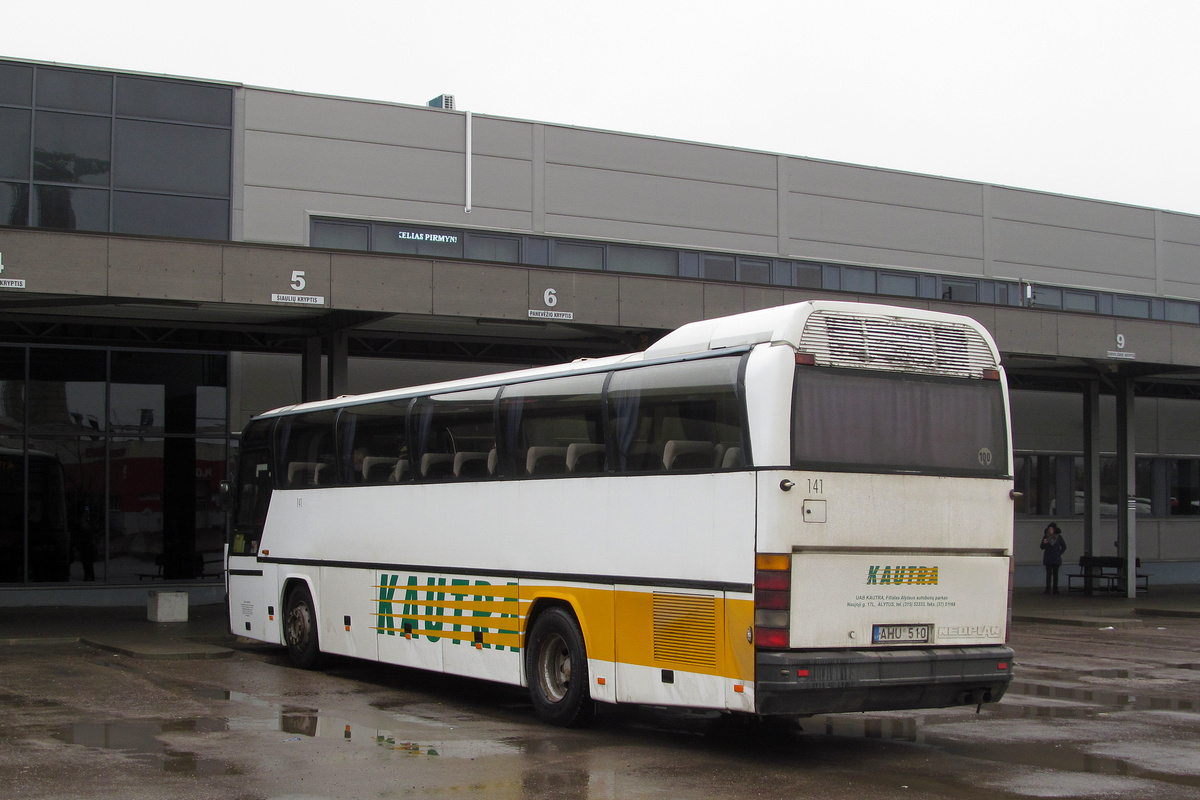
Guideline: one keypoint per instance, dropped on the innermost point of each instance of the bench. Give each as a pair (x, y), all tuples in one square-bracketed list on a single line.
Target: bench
[(1104, 574)]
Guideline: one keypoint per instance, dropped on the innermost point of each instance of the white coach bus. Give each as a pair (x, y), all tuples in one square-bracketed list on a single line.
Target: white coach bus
[(800, 510)]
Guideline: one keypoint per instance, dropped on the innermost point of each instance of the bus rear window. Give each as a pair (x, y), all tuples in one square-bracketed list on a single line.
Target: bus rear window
[(876, 422)]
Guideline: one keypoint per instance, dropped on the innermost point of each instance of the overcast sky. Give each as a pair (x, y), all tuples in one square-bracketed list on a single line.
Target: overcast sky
[(1093, 98)]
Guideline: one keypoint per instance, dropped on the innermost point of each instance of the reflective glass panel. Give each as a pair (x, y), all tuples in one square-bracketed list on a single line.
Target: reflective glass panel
[(164, 520), (66, 391), (717, 268), (71, 148), (171, 100), (135, 514), (645, 260), (77, 91), (155, 393), (417, 241), (494, 248), (1131, 307), (171, 158), (170, 215), (66, 508), (341, 236), (1079, 301), (12, 509), (578, 256), (900, 285), (751, 270), (1182, 312), (14, 204), (808, 276), (14, 143), (70, 209), (858, 280), (16, 84), (12, 390)]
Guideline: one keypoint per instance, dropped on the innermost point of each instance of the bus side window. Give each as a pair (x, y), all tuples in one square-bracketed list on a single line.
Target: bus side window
[(308, 455), (374, 442), (677, 417), (455, 435), (553, 427)]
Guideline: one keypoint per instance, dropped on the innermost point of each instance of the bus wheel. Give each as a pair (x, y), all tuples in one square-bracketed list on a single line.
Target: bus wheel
[(300, 628), (556, 665)]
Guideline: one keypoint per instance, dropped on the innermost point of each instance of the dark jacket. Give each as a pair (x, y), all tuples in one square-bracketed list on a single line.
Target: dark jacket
[(1052, 552)]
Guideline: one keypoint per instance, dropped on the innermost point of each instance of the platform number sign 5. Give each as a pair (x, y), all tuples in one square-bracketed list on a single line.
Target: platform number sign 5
[(298, 282)]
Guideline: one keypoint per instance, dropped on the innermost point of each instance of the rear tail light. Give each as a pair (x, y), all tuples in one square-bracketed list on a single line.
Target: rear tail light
[(772, 600)]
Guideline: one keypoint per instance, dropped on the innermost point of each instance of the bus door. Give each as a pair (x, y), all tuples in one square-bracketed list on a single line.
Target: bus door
[(252, 597)]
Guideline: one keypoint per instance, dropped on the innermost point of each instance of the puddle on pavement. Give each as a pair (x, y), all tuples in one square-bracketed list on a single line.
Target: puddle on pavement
[(141, 741), (1122, 701), (300, 723)]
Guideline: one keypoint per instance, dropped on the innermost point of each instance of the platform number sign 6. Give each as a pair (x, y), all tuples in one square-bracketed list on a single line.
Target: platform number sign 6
[(550, 298)]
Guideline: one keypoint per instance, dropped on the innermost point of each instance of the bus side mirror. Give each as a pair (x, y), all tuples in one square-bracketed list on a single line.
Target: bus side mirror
[(225, 496)]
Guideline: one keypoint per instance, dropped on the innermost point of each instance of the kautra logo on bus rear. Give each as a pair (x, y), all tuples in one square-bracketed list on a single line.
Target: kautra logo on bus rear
[(893, 576), (442, 614)]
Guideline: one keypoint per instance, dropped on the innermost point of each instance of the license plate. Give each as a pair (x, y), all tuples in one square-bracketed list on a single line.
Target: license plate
[(900, 634)]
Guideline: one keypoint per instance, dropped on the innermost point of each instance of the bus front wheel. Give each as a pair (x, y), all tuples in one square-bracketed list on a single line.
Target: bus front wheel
[(300, 628), (556, 666)]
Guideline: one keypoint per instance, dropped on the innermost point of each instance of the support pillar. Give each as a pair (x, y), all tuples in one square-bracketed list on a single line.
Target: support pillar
[(338, 380), (1126, 484), (310, 370)]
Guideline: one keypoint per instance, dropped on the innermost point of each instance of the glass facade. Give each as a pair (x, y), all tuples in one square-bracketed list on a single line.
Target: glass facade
[(95, 151), (110, 462)]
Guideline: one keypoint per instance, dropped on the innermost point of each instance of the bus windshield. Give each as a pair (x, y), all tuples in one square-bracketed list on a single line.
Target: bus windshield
[(854, 420)]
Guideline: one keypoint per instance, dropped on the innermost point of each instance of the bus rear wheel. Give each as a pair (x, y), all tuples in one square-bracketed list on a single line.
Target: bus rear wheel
[(556, 666), (300, 628)]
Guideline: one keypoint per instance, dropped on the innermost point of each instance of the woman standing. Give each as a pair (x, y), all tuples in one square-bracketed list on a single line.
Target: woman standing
[(1053, 547)]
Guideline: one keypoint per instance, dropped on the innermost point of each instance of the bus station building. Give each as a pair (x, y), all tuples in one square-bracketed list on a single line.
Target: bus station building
[(178, 255)]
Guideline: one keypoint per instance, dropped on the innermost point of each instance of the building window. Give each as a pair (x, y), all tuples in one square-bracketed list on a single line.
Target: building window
[(855, 279), (645, 260), (718, 268), (167, 137), (754, 270), (340, 235), (1131, 307), (577, 256), (900, 285), (1079, 301), (505, 250)]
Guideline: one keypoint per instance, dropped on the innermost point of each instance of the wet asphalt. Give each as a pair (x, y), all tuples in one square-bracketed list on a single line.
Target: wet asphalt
[(101, 703)]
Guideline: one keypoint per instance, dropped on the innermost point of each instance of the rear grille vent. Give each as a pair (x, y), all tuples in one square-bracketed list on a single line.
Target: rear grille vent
[(870, 341), (685, 630)]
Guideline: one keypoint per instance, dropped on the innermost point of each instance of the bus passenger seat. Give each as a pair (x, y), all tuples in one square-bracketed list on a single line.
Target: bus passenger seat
[(302, 473), (400, 471), (686, 454), (470, 464), (376, 469), (546, 461), (732, 459), (437, 465), (585, 457)]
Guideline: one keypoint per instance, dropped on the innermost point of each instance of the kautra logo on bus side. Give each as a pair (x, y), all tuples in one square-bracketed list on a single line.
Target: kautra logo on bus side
[(434, 621), (893, 576)]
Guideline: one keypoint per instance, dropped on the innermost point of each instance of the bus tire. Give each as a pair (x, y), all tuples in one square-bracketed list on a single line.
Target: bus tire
[(557, 669), (300, 628)]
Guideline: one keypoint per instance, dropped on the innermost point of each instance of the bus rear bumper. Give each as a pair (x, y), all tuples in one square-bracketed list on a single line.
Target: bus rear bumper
[(835, 681)]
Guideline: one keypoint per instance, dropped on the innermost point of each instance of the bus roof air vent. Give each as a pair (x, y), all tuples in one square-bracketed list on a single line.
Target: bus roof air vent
[(880, 341)]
